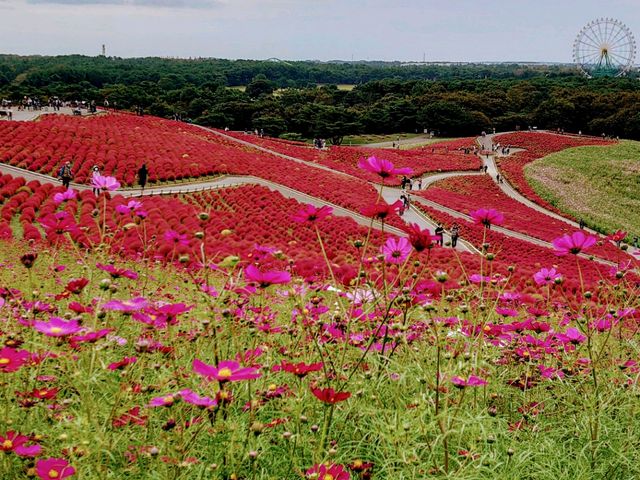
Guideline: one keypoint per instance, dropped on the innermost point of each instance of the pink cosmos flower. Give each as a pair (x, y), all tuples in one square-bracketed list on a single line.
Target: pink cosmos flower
[(574, 243), (383, 168), (264, 279), (60, 197), (163, 401), (54, 469), (11, 359), (546, 276), (171, 236), (226, 371), (325, 471), (126, 306), (487, 217), (104, 183), (133, 207), (311, 214), (57, 224), (472, 381), (117, 272), (189, 396), (477, 278), (57, 327), (14, 442), (572, 335), (396, 250)]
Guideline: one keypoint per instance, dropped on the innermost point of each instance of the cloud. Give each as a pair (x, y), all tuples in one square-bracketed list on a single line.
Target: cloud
[(132, 3)]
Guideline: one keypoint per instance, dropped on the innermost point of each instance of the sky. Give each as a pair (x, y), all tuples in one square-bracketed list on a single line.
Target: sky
[(404, 30)]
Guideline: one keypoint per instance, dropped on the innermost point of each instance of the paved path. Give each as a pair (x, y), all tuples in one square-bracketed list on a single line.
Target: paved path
[(31, 115), (492, 169), (389, 194)]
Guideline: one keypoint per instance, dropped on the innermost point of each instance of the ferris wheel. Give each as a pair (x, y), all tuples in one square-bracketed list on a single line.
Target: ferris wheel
[(604, 48)]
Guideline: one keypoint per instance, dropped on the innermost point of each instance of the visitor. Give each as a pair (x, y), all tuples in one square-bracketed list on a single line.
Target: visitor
[(420, 184), (95, 171), (65, 174), (485, 168), (439, 234), (635, 242), (581, 224), (455, 233), (498, 178), (143, 174)]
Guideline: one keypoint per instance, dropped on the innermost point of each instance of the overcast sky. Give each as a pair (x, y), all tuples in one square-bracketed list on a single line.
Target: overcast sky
[(441, 30)]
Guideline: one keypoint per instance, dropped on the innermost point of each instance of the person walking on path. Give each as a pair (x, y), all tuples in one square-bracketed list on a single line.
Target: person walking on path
[(95, 171), (455, 233), (143, 174), (439, 234), (65, 174)]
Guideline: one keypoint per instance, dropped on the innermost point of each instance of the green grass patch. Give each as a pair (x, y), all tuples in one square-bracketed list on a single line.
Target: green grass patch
[(598, 184)]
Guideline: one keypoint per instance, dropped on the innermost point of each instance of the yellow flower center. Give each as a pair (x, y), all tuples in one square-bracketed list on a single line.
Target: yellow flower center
[(225, 372), (53, 473), (56, 330), (168, 400), (357, 464), (43, 392), (327, 476), (7, 444), (4, 361)]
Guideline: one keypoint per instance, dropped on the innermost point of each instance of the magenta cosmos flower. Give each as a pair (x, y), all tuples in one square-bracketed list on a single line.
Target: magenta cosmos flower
[(574, 243), (57, 327), (60, 197), (191, 397), (487, 217), (326, 471), (11, 359), (383, 168), (175, 238), (226, 371), (116, 272), (127, 306), (54, 469), (14, 442), (311, 214), (396, 250), (104, 183), (472, 381), (134, 207), (264, 279), (546, 276)]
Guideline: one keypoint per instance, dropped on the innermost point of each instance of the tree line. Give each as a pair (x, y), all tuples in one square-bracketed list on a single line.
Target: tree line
[(303, 100)]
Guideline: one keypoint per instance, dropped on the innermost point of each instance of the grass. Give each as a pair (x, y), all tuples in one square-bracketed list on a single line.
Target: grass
[(598, 184), (404, 137), (391, 418)]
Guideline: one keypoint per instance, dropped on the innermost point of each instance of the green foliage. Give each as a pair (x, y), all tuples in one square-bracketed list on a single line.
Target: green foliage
[(292, 96), (598, 184)]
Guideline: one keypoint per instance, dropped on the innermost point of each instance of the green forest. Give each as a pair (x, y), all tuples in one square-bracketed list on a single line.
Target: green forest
[(304, 100)]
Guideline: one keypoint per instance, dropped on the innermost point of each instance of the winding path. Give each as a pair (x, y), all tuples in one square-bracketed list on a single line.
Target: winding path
[(389, 194)]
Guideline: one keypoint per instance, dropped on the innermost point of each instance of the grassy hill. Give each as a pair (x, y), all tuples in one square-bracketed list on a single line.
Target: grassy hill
[(599, 184)]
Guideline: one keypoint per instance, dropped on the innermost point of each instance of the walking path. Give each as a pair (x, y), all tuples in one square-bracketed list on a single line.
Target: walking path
[(389, 194)]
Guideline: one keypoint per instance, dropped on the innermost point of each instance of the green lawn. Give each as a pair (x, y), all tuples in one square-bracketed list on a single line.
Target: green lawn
[(599, 184)]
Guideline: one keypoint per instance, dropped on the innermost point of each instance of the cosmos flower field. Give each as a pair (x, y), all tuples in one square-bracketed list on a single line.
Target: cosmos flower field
[(238, 334)]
